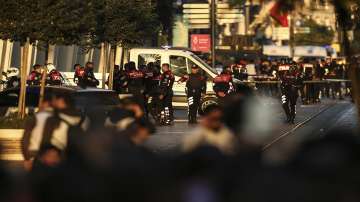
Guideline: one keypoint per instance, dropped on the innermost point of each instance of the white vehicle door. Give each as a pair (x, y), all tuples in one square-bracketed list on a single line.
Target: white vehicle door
[(179, 67)]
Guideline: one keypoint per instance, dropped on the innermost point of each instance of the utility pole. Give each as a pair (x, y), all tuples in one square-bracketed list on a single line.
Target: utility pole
[(213, 32), (248, 5)]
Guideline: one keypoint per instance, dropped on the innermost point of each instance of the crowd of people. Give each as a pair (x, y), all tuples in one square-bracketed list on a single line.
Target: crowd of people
[(68, 158), (320, 78)]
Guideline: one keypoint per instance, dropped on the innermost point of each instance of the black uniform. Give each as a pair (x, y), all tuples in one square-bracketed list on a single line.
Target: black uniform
[(289, 93), (89, 79), (223, 84), (152, 80), (166, 85), (119, 81), (195, 87)]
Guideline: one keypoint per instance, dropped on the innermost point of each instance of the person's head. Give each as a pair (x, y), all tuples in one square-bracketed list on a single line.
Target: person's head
[(37, 67), (89, 65), (77, 66), (116, 67), (133, 105), (126, 66), (165, 67), (62, 101), (194, 69), (143, 130), (46, 103), (227, 70), (213, 117), (157, 68), (142, 67), (150, 66), (132, 66)]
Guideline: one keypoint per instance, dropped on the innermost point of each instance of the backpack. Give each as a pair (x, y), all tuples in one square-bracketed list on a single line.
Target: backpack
[(55, 75)]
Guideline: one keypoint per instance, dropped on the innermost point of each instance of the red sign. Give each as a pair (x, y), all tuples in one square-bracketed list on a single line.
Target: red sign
[(201, 42)]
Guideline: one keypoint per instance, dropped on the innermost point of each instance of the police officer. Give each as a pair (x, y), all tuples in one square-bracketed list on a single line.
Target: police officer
[(119, 80), (289, 91), (166, 94), (89, 77), (54, 77), (35, 75), (240, 72), (152, 77), (223, 83), (195, 88), (135, 82), (79, 74)]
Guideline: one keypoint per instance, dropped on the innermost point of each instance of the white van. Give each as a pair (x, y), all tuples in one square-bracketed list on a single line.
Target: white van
[(180, 62)]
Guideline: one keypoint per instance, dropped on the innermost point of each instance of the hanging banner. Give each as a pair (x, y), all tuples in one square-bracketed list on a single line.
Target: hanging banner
[(201, 42)]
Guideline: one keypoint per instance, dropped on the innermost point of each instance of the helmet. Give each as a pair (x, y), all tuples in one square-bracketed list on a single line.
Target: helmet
[(50, 67), (13, 72)]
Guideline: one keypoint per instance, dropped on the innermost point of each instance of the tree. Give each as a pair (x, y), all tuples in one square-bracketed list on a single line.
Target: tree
[(319, 35), (65, 22), (165, 13), (121, 23), (19, 21)]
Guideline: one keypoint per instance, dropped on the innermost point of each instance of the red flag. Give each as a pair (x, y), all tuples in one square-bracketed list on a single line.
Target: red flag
[(280, 17)]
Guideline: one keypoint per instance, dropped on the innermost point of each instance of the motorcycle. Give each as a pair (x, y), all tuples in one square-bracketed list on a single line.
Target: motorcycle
[(11, 78)]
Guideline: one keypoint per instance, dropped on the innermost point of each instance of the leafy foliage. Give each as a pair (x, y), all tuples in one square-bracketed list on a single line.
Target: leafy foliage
[(165, 12), (79, 22), (19, 19), (123, 22)]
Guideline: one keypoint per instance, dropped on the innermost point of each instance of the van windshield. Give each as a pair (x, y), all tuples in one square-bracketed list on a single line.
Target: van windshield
[(204, 63)]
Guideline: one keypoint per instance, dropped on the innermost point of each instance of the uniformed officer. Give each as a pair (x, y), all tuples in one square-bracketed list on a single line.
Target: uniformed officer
[(35, 75), (240, 72), (79, 74), (135, 80), (89, 76), (166, 94), (223, 83), (119, 80), (289, 91), (195, 88), (152, 76)]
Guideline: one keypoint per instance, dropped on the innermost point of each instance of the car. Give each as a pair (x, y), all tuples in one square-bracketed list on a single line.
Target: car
[(93, 102)]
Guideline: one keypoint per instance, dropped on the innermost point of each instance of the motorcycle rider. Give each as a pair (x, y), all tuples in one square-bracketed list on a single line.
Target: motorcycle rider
[(79, 74), (89, 79), (54, 77), (34, 78), (195, 89), (289, 91), (12, 76), (223, 83), (166, 94)]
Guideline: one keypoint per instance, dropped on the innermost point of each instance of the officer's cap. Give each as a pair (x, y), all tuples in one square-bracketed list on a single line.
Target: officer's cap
[(194, 67)]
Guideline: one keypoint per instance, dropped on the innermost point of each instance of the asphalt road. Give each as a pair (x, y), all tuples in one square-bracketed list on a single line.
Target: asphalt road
[(312, 121), (280, 141)]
